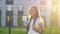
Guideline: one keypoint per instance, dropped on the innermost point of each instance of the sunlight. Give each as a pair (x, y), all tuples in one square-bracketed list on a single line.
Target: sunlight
[(29, 16), (55, 5), (54, 8)]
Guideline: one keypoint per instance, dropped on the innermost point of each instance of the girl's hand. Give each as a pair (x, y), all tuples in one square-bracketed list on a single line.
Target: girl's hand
[(38, 28), (33, 26)]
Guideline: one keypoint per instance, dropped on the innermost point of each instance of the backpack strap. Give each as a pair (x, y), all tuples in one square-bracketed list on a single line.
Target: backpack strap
[(28, 26), (29, 22), (34, 21)]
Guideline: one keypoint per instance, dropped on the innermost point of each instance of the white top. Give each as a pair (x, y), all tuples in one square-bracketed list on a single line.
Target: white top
[(31, 31)]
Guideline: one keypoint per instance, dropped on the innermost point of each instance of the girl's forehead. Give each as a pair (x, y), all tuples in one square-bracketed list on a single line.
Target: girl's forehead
[(33, 7)]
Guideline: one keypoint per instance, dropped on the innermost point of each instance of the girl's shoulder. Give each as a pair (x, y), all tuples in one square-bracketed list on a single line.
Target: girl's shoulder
[(40, 20)]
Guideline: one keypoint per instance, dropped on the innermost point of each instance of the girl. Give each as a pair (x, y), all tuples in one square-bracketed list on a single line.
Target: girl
[(35, 23)]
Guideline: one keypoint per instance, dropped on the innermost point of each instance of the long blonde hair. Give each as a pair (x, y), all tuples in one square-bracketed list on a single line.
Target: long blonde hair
[(37, 11)]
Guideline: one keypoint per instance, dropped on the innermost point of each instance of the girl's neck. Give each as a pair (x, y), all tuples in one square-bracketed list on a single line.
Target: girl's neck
[(34, 17)]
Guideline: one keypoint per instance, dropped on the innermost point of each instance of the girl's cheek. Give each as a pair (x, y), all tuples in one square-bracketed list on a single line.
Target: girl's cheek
[(34, 13)]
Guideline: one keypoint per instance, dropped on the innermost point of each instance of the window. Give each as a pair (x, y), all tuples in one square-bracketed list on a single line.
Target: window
[(20, 11), (43, 8), (54, 13), (43, 2), (0, 11), (54, 2), (0, 16), (55, 9), (9, 15), (9, 9), (54, 16), (43, 5), (9, 2), (20, 14), (54, 20)]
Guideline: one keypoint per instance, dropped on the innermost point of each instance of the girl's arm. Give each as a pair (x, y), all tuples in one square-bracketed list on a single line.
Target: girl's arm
[(40, 27)]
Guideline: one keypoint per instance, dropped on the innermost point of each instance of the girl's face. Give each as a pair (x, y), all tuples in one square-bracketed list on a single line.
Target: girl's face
[(32, 11)]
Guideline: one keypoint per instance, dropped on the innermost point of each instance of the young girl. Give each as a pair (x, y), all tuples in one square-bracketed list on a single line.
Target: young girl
[(34, 15)]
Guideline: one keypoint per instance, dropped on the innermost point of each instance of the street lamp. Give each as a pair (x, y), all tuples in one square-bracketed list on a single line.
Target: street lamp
[(8, 18), (9, 9)]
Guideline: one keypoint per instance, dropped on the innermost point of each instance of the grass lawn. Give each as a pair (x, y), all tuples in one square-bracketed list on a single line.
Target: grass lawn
[(51, 30), (13, 31)]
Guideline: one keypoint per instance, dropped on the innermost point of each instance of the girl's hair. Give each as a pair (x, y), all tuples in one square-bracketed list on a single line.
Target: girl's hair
[(37, 11)]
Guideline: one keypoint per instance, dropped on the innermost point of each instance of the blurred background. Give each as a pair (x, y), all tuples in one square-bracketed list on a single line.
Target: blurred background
[(13, 15)]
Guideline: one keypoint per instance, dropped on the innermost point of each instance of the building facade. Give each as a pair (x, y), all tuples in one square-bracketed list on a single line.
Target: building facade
[(12, 10)]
